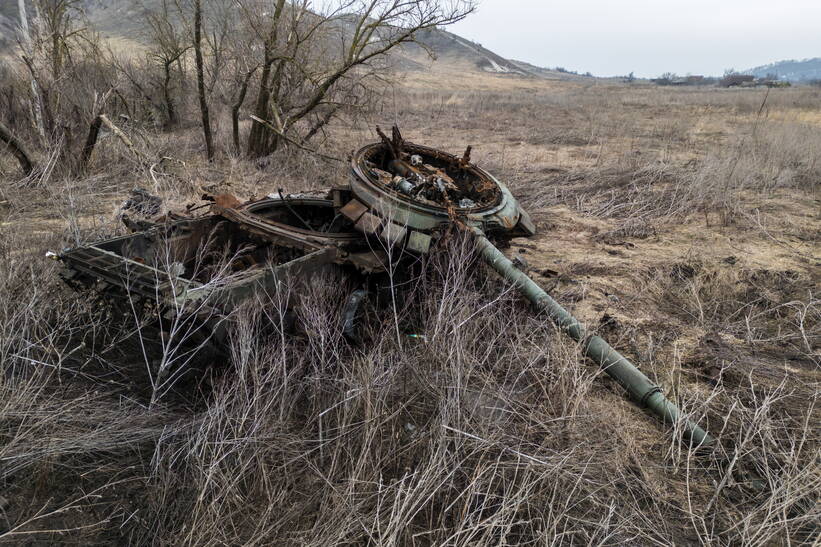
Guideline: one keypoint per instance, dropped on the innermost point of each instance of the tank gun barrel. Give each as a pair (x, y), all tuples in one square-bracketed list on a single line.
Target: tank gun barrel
[(640, 387)]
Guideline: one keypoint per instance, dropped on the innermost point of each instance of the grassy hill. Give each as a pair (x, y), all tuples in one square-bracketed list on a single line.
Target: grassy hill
[(8, 22), (123, 20), (791, 70)]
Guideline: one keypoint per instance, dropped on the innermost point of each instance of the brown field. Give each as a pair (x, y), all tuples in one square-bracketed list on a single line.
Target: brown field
[(683, 224)]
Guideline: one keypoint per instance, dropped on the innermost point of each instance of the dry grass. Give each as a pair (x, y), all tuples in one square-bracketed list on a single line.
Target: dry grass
[(684, 223)]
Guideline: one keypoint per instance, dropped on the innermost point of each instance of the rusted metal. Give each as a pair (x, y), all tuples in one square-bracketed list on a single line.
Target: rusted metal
[(354, 210), (226, 201), (368, 223), (172, 261), (268, 218), (432, 188)]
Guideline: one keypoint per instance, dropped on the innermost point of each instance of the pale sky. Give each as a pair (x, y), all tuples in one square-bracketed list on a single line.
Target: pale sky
[(648, 37)]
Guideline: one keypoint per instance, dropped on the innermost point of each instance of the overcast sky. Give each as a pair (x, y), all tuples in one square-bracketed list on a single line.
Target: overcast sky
[(648, 37)]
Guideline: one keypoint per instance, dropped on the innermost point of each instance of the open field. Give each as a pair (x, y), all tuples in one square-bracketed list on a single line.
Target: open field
[(683, 224)]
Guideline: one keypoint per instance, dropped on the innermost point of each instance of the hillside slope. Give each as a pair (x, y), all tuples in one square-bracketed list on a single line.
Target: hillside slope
[(790, 70), (452, 48), (124, 20), (8, 23)]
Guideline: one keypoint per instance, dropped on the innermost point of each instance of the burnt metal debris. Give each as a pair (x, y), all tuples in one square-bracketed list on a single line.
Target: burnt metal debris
[(401, 197)]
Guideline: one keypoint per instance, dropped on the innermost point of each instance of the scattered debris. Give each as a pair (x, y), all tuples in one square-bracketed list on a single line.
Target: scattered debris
[(427, 175), (521, 263), (180, 263), (142, 203), (350, 315), (218, 253)]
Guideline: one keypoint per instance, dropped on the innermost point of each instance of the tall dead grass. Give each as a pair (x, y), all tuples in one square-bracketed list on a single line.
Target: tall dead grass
[(490, 430), (487, 427), (640, 153)]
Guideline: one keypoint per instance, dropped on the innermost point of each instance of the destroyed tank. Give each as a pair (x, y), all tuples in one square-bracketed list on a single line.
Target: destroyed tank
[(400, 193), (208, 265), (404, 193)]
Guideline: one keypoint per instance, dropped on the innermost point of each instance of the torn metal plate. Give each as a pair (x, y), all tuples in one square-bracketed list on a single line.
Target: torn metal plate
[(368, 223), (418, 242), (354, 210), (393, 234)]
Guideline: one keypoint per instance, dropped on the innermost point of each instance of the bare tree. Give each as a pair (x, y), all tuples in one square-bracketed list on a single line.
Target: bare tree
[(309, 55), (221, 47), (206, 120), (257, 141), (237, 103), (47, 48), (26, 47), (168, 46), (17, 148), (68, 74), (302, 64)]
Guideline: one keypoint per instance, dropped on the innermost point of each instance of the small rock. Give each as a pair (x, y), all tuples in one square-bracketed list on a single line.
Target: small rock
[(520, 263), (142, 203), (609, 321), (4, 503)]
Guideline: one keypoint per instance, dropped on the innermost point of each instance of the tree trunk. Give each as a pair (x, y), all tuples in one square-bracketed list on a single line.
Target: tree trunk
[(235, 108), (35, 92), (169, 103), (258, 139), (94, 132), (17, 149), (91, 140), (206, 120)]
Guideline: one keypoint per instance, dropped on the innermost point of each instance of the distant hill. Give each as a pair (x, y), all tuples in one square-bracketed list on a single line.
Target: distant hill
[(793, 71), (123, 19), (449, 47), (8, 23), (552, 73), (113, 18)]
